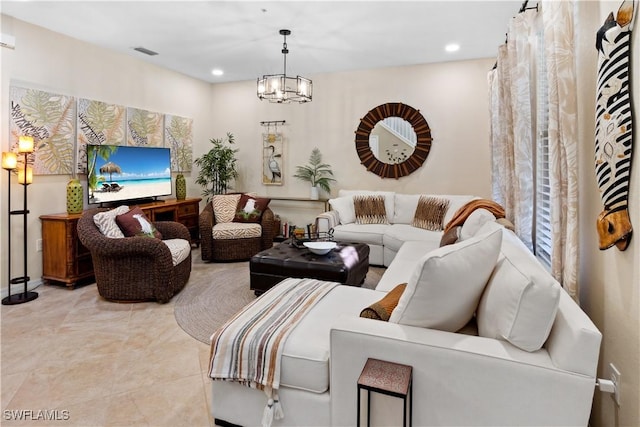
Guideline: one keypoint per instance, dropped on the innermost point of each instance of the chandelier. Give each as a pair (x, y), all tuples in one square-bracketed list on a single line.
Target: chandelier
[(283, 89)]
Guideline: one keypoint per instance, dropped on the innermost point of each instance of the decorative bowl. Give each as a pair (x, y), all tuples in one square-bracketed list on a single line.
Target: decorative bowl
[(320, 248)]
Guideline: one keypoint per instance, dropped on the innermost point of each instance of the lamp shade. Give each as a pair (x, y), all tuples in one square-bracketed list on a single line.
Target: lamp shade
[(25, 144), (25, 175), (9, 160)]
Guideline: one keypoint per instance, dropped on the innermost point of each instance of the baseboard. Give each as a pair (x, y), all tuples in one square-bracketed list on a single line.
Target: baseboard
[(19, 288)]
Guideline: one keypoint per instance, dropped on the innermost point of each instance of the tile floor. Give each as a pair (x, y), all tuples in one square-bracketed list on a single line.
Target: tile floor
[(100, 363)]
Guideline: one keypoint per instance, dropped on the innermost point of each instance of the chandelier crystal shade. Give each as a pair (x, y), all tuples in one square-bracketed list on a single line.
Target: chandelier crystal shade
[(281, 88)]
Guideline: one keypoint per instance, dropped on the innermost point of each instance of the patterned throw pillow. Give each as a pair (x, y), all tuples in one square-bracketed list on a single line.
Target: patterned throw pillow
[(106, 222), (430, 213), (370, 210), (250, 208), (136, 223), (381, 310), (225, 206)]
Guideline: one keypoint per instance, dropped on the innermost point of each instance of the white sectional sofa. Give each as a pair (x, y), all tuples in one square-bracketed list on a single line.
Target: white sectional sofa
[(528, 356), (384, 240)]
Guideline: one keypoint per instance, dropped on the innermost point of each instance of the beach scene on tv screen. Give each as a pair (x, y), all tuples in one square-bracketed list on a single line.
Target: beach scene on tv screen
[(127, 173)]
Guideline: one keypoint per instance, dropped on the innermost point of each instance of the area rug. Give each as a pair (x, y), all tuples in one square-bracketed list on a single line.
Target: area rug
[(216, 292)]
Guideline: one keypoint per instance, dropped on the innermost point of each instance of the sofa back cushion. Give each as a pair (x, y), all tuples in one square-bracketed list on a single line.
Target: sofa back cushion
[(520, 301), (447, 284), (405, 208), (474, 223), (344, 207)]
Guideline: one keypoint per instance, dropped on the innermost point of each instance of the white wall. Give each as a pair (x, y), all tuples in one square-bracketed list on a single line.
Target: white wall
[(451, 96), (609, 280), (53, 62)]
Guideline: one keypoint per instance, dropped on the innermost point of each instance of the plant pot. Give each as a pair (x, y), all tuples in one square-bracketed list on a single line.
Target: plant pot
[(181, 187), (314, 193), (74, 196)]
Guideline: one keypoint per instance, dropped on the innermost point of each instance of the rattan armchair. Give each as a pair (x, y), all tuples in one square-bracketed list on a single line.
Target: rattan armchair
[(135, 268), (233, 249)]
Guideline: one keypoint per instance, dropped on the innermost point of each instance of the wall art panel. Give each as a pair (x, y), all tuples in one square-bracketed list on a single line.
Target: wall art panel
[(178, 135), (98, 123), (144, 128)]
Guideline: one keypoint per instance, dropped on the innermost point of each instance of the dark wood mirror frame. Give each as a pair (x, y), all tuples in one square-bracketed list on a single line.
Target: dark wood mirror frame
[(420, 127)]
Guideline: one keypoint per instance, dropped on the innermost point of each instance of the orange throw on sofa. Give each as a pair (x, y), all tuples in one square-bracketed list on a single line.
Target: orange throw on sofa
[(463, 213)]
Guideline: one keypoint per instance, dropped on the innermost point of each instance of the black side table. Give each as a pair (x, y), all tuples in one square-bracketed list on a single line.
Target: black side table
[(392, 379)]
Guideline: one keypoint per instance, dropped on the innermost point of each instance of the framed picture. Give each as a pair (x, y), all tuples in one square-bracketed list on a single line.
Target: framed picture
[(272, 158)]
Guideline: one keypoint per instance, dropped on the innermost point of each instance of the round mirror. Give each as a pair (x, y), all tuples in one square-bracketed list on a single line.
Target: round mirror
[(393, 140)]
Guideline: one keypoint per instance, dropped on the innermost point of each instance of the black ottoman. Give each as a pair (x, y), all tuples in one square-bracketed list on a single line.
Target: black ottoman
[(348, 264)]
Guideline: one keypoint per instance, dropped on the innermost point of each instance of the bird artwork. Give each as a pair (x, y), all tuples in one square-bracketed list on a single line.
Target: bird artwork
[(274, 166), (145, 226), (614, 127)]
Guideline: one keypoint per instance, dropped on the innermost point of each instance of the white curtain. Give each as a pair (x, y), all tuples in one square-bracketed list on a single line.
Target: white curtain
[(563, 140), (512, 127), (512, 96)]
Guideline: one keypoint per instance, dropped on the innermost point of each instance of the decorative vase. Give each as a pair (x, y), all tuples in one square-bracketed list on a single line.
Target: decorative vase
[(74, 196), (314, 193), (181, 187)]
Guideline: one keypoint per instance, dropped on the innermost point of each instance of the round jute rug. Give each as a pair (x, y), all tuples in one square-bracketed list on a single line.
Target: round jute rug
[(215, 292), (209, 300)]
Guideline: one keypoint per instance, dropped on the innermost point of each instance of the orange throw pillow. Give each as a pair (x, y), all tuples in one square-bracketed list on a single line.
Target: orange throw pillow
[(382, 309)]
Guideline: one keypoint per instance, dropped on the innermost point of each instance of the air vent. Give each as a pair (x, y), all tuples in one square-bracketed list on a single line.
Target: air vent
[(145, 51)]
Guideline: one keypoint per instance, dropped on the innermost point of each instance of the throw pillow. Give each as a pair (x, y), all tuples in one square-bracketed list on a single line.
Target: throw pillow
[(382, 309), (250, 208), (521, 299), (474, 222), (225, 206), (450, 237), (344, 207), (136, 223), (430, 213), (447, 284), (106, 222), (370, 210)]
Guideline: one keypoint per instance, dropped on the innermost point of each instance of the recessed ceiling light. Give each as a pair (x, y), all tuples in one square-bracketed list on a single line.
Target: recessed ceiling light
[(217, 72), (452, 47)]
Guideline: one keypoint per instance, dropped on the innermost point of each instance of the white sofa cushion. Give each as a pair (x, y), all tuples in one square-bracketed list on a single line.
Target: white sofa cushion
[(344, 207), (520, 301), (370, 234), (397, 234), (455, 203), (404, 263), (305, 357), (474, 222), (447, 284), (405, 208)]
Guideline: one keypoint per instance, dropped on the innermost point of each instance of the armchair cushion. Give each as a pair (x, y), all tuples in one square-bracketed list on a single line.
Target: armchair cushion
[(447, 284), (180, 249), (235, 230), (106, 222), (225, 206), (250, 208), (136, 223)]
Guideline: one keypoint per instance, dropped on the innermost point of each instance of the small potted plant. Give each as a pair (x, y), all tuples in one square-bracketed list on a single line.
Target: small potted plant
[(316, 173), (217, 167)]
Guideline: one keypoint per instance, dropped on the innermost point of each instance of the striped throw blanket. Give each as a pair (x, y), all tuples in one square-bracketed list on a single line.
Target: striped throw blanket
[(248, 348)]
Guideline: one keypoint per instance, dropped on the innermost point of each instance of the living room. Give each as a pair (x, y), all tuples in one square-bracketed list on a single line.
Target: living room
[(452, 96)]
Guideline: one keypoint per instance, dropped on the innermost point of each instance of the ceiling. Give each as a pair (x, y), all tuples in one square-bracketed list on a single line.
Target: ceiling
[(241, 37)]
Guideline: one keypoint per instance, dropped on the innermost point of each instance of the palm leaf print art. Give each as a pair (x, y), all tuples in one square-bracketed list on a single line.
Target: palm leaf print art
[(144, 127)]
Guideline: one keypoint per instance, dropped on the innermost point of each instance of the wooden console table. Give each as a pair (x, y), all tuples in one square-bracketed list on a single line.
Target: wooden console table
[(325, 202), (65, 259)]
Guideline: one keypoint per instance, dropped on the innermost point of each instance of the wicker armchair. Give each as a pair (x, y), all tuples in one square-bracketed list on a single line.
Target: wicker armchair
[(135, 268), (233, 249)]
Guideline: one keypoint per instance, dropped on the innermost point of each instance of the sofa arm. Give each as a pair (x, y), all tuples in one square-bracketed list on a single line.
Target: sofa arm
[(326, 221), (457, 379)]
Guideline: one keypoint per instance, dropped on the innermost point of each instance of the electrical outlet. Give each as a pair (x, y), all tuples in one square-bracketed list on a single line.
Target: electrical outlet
[(615, 376), (39, 245)]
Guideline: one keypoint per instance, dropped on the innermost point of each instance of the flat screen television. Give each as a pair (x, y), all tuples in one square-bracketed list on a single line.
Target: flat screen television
[(127, 173)]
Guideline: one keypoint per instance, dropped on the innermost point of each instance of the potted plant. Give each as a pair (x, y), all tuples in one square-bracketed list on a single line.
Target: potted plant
[(217, 167), (316, 173)]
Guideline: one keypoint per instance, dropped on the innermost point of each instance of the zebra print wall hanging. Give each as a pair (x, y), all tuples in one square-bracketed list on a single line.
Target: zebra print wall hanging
[(614, 130)]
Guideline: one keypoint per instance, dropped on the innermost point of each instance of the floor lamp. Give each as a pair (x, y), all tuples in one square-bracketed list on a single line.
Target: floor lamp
[(25, 177)]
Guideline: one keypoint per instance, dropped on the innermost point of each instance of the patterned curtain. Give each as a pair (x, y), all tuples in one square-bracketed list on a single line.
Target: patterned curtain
[(511, 126), (563, 145)]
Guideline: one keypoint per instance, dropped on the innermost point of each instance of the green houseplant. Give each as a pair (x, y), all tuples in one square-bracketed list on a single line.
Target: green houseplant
[(318, 174), (217, 167)]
